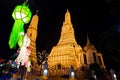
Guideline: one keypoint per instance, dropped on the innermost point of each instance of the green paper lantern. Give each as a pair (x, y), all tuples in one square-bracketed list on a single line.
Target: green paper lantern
[(22, 12), (21, 15)]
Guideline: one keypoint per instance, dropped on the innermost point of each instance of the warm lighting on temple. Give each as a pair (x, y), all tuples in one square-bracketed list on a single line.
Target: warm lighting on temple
[(32, 33), (68, 53)]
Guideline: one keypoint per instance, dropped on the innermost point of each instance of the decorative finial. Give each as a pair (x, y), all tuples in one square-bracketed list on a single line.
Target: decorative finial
[(37, 12), (67, 17), (67, 10), (88, 41)]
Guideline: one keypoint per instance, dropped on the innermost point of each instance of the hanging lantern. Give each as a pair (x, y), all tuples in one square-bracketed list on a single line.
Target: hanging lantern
[(21, 15)]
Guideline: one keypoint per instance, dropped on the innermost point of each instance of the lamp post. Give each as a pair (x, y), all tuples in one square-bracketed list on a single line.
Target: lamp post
[(72, 73), (113, 75), (45, 71), (94, 75)]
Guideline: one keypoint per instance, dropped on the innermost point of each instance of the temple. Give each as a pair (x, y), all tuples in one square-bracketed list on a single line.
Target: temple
[(68, 53), (91, 55), (32, 34)]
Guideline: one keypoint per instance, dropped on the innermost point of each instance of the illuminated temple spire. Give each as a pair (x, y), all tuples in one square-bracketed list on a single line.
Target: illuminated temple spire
[(88, 41), (67, 32), (32, 34), (88, 44), (67, 52), (67, 17)]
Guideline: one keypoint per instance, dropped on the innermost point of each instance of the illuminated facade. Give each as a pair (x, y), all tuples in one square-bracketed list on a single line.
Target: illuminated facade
[(32, 34), (91, 55), (68, 53)]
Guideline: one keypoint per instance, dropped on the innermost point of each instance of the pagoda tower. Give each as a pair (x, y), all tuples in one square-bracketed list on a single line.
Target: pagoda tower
[(67, 52), (91, 55), (32, 34)]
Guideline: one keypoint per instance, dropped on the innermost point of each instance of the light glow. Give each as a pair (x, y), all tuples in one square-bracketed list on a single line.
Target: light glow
[(45, 72), (95, 77), (18, 15), (114, 75), (72, 74), (22, 33)]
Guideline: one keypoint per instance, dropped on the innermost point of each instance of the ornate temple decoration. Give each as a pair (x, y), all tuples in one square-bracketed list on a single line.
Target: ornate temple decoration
[(32, 34), (68, 53), (92, 55)]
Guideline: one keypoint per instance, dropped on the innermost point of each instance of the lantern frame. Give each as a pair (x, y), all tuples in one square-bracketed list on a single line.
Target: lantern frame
[(22, 12)]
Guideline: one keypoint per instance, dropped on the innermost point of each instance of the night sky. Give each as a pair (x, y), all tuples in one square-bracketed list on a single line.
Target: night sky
[(100, 20)]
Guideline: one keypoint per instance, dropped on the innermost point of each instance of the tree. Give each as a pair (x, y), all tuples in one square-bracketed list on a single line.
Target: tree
[(41, 57)]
